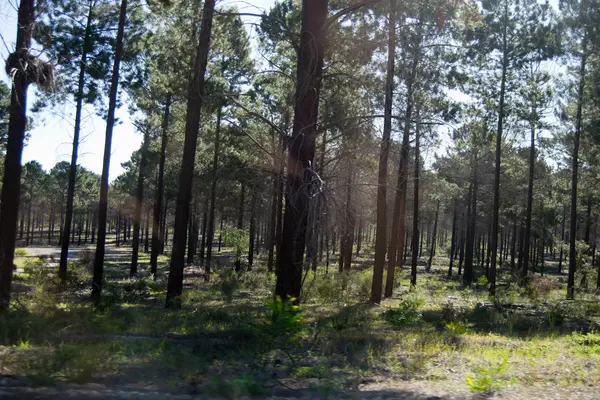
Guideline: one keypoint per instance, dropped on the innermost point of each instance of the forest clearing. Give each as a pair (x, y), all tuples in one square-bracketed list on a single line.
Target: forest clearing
[(356, 199)]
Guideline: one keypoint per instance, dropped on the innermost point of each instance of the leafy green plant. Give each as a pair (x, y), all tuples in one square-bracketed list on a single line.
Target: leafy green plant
[(488, 379), (405, 314), (239, 240), (228, 284), (286, 319), (456, 328), (482, 280)]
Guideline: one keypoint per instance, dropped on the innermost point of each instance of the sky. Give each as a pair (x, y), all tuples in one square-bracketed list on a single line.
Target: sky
[(51, 138)]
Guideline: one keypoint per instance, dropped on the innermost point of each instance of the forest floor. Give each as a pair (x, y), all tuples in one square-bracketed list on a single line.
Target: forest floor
[(437, 341)]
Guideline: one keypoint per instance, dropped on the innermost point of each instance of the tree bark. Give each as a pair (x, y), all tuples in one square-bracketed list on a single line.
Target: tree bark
[(213, 195), (192, 124), (160, 187), (11, 183), (574, 172), (415, 233), (302, 147), (433, 237), (139, 199), (110, 121), (381, 232), (452, 240)]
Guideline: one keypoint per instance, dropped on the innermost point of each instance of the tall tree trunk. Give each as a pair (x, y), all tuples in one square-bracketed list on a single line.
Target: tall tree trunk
[(415, 233), (240, 222), (588, 222), (381, 233), (64, 252), (28, 233), (11, 183), (203, 239), (496, 209), (110, 121), (252, 229), (156, 220), (574, 171), (471, 224), (193, 228), (213, 195), (192, 124), (147, 231), (302, 147), (139, 200), (562, 239), (433, 237), (513, 244), (453, 240), (528, 212), (272, 238)]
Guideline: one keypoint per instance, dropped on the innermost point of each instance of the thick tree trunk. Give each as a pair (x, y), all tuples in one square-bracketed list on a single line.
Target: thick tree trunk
[(381, 233), (139, 199), (192, 124), (110, 121), (11, 183), (302, 147)]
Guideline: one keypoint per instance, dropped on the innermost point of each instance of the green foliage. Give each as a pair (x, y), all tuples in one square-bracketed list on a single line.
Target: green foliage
[(228, 284), (239, 239), (405, 314), (20, 252), (315, 371), (482, 280), (488, 379), (286, 318)]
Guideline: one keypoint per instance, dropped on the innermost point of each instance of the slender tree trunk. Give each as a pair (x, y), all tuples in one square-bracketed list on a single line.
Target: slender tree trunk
[(562, 239), (193, 228), (302, 147), (471, 224), (147, 231), (453, 240), (574, 171), (213, 195), (64, 253), (272, 239), (381, 233), (139, 199), (194, 108), (11, 184), (513, 245), (27, 234), (159, 190), (415, 234), (496, 209), (103, 203), (252, 229), (433, 238), (203, 240), (240, 222)]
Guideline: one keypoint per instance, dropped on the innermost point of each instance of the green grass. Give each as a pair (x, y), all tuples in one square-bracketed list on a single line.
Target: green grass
[(225, 342)]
